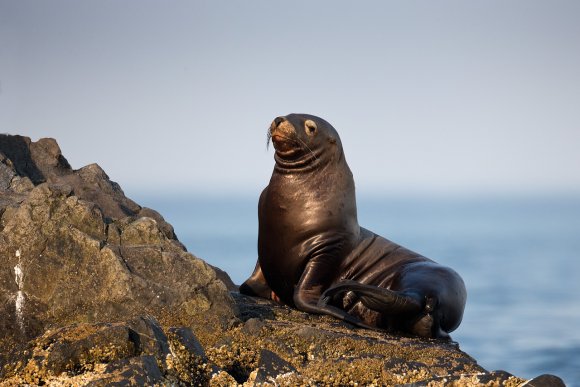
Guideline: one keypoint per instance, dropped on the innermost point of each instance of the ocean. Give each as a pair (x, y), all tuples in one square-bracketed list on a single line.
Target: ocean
[(519, 257)]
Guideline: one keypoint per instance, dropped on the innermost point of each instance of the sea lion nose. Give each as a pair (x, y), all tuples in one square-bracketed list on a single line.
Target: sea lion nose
[(278, 121)]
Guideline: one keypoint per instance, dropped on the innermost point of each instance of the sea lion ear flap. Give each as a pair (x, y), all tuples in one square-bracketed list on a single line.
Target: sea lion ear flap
[(332, 140), (310, 127)]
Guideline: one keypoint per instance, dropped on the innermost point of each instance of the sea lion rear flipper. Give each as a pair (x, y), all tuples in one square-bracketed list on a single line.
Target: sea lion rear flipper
[(376, 298)]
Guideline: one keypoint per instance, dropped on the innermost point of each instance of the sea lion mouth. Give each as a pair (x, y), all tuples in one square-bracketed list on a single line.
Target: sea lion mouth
[(277, 138), (284, 145)]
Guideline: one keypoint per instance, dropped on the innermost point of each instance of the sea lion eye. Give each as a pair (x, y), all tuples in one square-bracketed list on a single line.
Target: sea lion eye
[(310, 127)]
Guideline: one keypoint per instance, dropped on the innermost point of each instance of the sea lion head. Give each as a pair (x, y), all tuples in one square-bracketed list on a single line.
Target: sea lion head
[(303, 140)]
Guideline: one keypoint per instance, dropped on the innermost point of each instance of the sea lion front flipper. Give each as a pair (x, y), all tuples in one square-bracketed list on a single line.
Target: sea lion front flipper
[(256, 285), (307, 292), (379, 299)]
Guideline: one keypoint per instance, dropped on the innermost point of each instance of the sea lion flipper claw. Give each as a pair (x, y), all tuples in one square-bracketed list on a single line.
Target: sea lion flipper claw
[(323, 301)]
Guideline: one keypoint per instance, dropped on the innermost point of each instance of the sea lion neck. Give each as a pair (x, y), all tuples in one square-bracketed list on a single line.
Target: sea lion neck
[(306, 162)]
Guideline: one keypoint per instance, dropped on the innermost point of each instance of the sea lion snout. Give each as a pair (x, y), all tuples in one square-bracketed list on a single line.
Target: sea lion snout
[(277, 121), (282, 127), (281, 131)]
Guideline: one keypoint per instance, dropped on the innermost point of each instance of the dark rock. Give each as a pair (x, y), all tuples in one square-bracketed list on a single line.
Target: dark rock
[(184, 339), (136, 371), (253, 326), (149, 338), (271, 367), (253, 307), (190, 363), (545, 380), (39, 160)]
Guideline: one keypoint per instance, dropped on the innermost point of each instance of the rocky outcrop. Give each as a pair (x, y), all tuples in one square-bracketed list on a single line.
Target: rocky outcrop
[(275, 345), (96, 290), (74, 249)]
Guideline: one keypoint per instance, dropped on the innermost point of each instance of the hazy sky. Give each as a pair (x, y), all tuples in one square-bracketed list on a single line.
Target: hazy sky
[(428, 96)]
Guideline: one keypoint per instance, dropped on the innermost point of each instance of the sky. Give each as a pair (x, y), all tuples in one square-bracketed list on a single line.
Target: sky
[(441, 97)]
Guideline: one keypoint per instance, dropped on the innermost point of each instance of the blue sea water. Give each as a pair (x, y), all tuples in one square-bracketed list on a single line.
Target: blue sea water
[(519, 257)]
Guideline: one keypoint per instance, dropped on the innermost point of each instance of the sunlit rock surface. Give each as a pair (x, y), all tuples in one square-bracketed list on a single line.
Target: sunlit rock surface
[(97, 290)]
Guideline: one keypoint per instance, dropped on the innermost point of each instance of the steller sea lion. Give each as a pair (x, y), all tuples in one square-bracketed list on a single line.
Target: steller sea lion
[(313, 255)]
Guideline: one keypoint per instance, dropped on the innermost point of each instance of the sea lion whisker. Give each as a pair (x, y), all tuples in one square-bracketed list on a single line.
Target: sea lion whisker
[(308, 148), (268, 137)]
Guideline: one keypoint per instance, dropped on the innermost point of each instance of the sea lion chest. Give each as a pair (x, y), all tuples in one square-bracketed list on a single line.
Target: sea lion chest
[(301, 216)]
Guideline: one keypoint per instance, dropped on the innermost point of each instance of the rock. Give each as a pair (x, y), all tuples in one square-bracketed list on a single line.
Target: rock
[(253, 326), (54, 234), (183, 339), (221, 379), (398, 369), (271, 367), (7, 172), (149, 338), (278, 345), (494, 378), (133, 353), (76, 349), (320, 350), (190, 364), (97, 290), (545, 381), (39, 161), (137, 371), (225, 278), (108, 259)]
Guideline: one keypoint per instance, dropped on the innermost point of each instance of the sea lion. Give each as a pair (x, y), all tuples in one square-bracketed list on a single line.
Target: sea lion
[(313, 255)]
